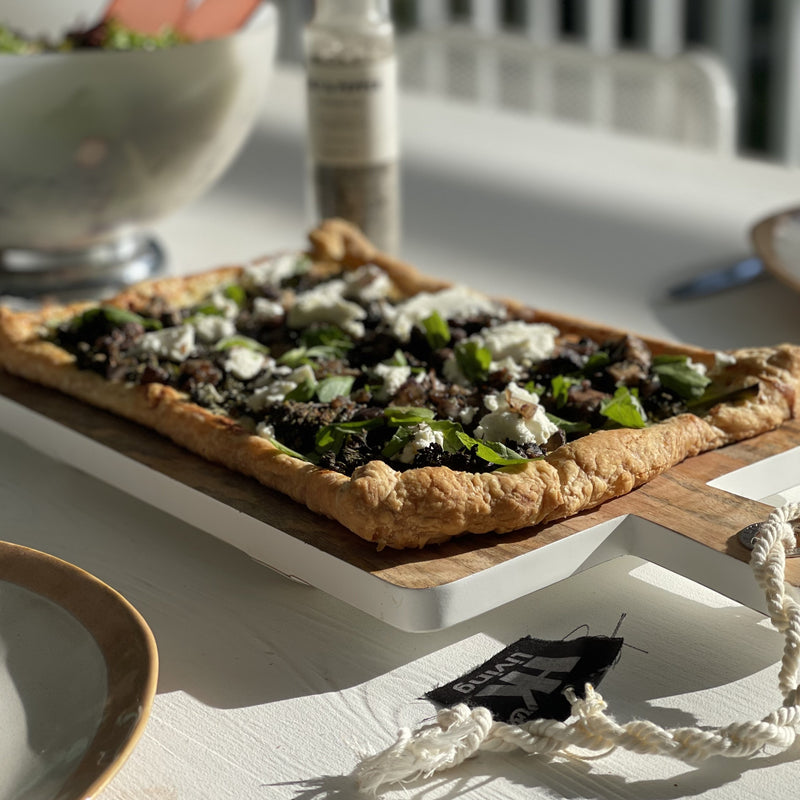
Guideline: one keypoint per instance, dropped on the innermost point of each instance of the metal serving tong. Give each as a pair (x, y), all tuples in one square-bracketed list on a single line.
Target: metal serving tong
[(718, 280), (764, 261)]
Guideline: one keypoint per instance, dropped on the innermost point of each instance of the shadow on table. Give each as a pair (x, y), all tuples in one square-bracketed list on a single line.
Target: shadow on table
[(572, 779), (565, 778)]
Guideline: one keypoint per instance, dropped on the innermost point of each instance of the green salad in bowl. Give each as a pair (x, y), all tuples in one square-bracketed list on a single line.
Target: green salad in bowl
[(110, 34)]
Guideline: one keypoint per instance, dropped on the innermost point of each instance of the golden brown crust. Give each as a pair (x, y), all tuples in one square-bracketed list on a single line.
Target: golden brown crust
[(184, 290), (418, 506), (338, 241)]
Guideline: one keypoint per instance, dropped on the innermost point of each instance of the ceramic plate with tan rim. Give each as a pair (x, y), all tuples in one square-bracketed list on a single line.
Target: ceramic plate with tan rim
[(78, 668), (776, 240)]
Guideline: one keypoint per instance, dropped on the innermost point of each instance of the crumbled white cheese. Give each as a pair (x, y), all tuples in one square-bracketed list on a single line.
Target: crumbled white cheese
[(267, 311), (175, 344), (455, 302), (211, 328), (273, 271), (326, 303), (243, 363), (274, 387), (722, 360), (368, 283), (265, 430), (514, 370), (466, 415), (513, 346), (228, 307), (208, 394), (271, 393), (393, 378), (272, 370), (516, 415), (424, 436), (522, 342)]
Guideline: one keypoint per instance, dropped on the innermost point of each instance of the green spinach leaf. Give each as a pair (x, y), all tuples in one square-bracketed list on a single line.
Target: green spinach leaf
[(569, 426), (473, 360), (334, 386), (677, 373), (559, 387), (493, 452), (235, 292), (437, 331), (114, 318), (624, 409), (303, 392), (239, 340)]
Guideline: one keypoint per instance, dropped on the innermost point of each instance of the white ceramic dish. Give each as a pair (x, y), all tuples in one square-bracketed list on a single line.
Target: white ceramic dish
[(78, 669), (776, 241)]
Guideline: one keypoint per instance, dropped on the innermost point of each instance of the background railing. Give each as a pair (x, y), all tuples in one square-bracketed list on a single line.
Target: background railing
[(755, 42)]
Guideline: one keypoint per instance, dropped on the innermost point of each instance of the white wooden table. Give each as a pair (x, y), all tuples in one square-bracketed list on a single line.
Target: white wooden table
[(269, 688)]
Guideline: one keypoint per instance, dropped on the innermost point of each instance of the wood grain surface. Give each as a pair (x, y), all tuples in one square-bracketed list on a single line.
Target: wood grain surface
[(679, 500)]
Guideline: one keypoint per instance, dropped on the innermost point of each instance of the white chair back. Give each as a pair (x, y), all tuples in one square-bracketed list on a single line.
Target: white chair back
[(686, 100)]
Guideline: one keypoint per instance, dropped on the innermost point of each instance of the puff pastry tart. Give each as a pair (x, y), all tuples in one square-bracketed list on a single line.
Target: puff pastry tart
[(409, 409)]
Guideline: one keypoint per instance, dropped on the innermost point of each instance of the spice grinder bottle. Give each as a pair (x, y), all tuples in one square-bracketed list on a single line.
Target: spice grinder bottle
[(351, 95)]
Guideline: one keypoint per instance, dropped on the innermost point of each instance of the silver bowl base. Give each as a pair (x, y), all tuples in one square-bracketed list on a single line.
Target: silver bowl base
[(69, 274)]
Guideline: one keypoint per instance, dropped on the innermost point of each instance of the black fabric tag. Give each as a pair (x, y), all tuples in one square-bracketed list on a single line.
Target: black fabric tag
[(527, 680)]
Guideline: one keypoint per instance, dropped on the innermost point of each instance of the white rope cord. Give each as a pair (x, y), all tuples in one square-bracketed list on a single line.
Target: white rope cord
[(461, 732)]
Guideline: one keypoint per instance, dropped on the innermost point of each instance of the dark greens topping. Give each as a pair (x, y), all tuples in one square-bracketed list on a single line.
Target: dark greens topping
[(318, 344), (107, 318), (713, 398), (676, 373), (335, 386), (283, 448), (559, 389), (228, 342), (437, 331), (341, 398), (624, 408), (403, 424), (473, 360)]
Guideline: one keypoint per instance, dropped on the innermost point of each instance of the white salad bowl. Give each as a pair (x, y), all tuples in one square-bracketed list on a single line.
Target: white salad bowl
[(97, 145)]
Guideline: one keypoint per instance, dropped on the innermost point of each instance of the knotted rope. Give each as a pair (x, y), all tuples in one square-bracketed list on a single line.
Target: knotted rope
[(461, 732)]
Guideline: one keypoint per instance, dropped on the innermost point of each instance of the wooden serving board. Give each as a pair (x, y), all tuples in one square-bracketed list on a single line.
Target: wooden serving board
[(679, 501)]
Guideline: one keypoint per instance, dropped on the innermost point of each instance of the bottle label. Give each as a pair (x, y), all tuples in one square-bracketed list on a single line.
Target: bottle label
[(352, 112)]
